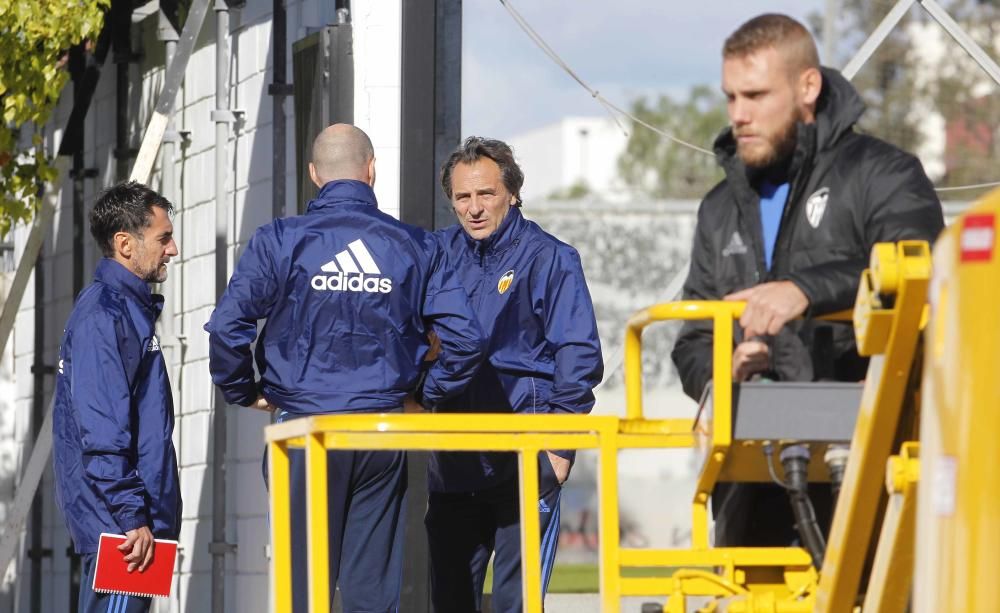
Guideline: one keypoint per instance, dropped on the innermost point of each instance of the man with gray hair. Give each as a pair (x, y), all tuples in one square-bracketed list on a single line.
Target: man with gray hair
[(350, 295), (789, 230), (543, 356)]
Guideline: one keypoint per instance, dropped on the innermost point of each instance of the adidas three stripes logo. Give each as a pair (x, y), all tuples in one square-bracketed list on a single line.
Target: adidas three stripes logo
[(352, 270)]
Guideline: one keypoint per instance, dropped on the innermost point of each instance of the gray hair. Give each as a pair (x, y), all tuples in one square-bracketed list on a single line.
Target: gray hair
[(476, 148)]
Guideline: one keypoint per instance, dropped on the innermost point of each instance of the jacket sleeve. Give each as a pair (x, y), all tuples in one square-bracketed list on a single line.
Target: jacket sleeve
[(102, 398), (898, 203), (692, 353), (571, 332), (446, 310), (251, 294)]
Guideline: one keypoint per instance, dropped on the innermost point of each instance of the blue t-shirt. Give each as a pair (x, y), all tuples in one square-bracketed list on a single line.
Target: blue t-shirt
[(772, 204)]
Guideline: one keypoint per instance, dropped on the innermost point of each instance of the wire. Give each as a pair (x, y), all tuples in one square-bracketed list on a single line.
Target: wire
[(961, 187), (611, 108), (657, 130), (769, 452), (691, 573)]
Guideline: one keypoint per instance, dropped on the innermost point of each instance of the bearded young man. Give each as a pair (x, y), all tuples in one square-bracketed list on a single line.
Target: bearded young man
[(789, 230)]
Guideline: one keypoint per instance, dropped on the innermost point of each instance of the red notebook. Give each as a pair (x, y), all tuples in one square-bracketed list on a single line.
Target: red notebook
[(111, 570)]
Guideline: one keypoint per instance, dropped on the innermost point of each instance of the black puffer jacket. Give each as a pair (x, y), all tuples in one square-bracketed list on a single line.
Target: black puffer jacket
[(848, 191)]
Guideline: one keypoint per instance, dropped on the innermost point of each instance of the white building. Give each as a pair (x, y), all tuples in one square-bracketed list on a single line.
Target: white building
[(575, 151)]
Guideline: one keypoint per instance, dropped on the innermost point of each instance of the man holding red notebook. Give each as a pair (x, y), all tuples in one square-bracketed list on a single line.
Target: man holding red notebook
[(115, 464)]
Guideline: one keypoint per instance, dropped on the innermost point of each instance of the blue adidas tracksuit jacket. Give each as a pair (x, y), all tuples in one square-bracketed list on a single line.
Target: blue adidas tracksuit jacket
[(349, 294), (543, 352), (114, 460)]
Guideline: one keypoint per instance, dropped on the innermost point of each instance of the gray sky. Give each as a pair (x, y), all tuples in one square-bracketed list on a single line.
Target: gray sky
[(622, 48)]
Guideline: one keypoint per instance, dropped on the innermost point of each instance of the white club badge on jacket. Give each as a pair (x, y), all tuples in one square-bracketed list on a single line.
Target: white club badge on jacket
[(504, 283), (816, 206)]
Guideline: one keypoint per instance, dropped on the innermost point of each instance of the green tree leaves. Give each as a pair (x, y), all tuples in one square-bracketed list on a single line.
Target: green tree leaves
[(35, 37), (663, 169)]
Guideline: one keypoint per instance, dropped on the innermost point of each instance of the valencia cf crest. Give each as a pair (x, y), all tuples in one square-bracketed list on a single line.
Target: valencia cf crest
[(504, 283), (816, 206)]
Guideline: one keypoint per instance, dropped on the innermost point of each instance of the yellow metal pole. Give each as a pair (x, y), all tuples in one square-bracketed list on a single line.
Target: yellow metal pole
[(878, 419), (699, 522), (281, 527), (609, 568), (722, 435), (318, 528), (892, 572), (722, 380), (633, 365), (531, 559)]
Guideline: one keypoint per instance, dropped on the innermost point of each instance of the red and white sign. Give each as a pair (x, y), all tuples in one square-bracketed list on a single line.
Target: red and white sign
[(978, 238)]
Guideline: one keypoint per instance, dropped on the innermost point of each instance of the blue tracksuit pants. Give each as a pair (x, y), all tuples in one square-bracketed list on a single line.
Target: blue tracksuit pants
[(366, 491), (465, 529)]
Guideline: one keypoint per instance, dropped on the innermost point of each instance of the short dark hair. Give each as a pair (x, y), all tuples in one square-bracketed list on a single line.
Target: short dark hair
[(776, 31), (126, 207), (476, 148)]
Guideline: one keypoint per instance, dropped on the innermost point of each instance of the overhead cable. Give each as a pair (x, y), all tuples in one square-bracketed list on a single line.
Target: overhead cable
[(612, 108)]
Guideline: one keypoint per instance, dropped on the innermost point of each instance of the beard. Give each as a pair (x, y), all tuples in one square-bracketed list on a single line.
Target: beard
[(156, 273), (150, 270), (157, 276), (776, 147)]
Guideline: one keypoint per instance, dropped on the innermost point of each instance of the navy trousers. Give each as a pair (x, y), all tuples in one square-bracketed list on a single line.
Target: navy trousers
[(464, 529), (94, 602), (366, 491)]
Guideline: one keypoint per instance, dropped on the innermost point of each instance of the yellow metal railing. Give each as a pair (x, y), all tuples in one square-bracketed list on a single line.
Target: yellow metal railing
[(733, 564), (525, 434), (722, 315)]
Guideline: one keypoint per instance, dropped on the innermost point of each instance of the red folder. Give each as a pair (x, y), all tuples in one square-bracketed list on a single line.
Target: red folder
[(111, 574)]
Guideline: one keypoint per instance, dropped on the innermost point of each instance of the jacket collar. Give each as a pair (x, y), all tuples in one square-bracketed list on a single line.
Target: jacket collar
[(343, 191), (113, 274), (504, 237)]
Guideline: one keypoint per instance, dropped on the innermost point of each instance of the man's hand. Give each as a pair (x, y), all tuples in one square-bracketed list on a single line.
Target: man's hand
[(261, 404), (750, 357), (411, 406), (769, 307), (560, 466), (139, 545), (435, 350)]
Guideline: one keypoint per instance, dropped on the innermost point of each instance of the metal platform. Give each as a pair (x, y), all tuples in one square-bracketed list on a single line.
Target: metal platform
[(781, 411)]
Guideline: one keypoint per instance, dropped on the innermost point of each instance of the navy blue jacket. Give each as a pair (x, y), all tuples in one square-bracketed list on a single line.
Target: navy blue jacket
[(349, 294), (543, 351), (115, 464)]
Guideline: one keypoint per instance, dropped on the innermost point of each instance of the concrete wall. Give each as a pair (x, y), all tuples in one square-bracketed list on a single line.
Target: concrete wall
[(377, 29)]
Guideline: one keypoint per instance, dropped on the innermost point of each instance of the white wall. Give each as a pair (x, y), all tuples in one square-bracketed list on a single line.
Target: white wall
[(562, 154), (377, 27)]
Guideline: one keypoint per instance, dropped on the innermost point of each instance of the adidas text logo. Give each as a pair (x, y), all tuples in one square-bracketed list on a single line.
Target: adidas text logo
[(154, 344), (359, 273)]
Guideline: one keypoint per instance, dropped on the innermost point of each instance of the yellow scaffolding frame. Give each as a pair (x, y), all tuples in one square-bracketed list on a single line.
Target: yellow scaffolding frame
[(525, 434), (752, 578)]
